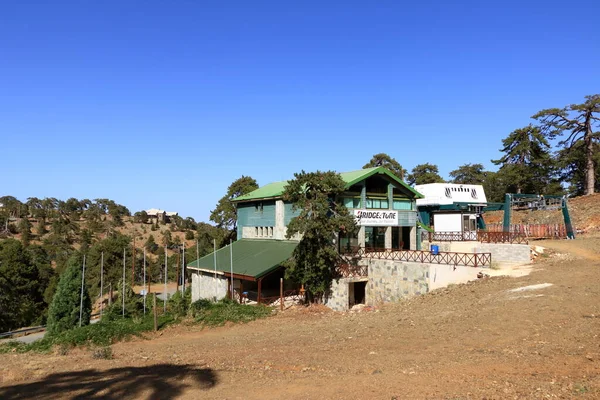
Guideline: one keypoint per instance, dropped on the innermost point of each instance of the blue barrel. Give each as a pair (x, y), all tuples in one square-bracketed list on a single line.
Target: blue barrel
[(435, 249)]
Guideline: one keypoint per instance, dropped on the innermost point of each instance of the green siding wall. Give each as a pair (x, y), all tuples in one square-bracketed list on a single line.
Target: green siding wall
[(289, 213), (407, 218), (248, 216)]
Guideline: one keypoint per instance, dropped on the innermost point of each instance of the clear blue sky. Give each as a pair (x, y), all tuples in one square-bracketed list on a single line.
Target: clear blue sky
[(165, 103)]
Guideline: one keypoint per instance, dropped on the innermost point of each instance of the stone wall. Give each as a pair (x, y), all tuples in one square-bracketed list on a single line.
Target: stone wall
[(391, 281), (205, 286), (339, 296), (502, 253), (506, 253), (387, 281)]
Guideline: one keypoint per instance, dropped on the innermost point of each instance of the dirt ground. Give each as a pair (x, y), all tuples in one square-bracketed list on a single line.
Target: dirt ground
[(472, 341)]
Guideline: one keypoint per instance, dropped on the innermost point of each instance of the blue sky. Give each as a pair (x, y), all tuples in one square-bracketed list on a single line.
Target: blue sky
[(164, 104)]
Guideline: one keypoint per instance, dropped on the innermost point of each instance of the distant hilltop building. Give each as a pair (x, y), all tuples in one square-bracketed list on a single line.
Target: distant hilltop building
[(156, 215)]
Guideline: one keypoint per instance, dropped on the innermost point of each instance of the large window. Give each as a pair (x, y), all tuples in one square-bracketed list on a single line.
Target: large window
[(377, 203), (348, 242), (352, 202), (402, 205), (375, 237)]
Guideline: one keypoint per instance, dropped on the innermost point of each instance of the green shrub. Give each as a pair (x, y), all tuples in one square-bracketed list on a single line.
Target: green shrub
[(102, 353), (179, 304), (226, 310), (134, 304), (103, 333)]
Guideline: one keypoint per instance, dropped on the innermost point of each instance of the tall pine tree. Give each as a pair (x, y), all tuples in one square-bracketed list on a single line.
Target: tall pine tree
[(64, 310)]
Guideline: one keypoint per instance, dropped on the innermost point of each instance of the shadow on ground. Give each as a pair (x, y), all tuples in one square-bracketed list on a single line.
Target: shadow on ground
[(161, 381)]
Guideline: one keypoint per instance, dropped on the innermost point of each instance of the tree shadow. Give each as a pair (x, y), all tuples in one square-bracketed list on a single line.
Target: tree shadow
[(160, 381)]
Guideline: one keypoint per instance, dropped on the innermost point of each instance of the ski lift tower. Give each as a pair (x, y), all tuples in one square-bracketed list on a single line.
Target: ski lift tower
[(520, 201)]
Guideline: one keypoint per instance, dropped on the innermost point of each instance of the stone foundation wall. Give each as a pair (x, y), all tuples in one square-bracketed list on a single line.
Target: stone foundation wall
[(339, 296), (502, 253), (205, 286), (388, 281), (506, 252), (391, 281)]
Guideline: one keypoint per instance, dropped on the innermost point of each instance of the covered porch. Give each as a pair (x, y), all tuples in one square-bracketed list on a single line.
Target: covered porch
[(248, 270)]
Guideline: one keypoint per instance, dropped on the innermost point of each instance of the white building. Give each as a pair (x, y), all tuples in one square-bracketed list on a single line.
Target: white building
[(450, 207)]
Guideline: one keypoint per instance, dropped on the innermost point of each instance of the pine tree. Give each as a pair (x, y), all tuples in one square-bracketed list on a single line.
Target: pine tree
[(315, 258), (224, 214), (25, 231), (470, 174), (384, 160), (64, 310), (423, 174), (526, 162), (579, 122)]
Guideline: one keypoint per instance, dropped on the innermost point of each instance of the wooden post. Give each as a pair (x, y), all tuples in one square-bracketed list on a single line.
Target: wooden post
[(281, 292), (259, 289), (154, 308), (177, 272), (241, 291)]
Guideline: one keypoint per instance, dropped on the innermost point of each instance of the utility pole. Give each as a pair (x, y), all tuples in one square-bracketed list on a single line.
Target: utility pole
[(177, 272), (183, 269), (123, 291), (133, 265), (166, 294), (81, 296), (145, 281), (101, 283)]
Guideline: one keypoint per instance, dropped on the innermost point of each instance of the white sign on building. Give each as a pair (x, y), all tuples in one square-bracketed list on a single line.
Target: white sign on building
[(376, 218)]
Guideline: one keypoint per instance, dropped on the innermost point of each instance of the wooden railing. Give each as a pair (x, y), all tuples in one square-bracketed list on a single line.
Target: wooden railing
[(480, 236), (352, 271), (539, 231), (448, 236), (288, 295), (449, 258), (501, 237)]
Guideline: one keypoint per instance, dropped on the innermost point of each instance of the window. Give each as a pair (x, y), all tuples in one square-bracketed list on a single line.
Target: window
[(448, 194), (377, 203), (474, 193), (402, 205), (258, 207), (351, 202)]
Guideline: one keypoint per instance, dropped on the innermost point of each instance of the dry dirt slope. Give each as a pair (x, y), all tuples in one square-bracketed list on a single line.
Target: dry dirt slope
[(470, 341)]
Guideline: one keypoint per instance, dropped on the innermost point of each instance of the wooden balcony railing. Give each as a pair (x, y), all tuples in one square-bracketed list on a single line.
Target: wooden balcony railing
[(449, 258)]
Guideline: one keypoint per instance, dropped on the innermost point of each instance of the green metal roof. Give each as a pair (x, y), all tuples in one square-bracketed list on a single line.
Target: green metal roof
[(251, 257), (276, 189)]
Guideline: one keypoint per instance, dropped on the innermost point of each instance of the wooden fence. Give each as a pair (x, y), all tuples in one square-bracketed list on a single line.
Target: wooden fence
[(534, 231), (449, 258)]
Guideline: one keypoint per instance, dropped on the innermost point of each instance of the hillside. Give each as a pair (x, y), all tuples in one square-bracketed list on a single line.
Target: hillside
[(138, 231), (496, 338), (584, 211)]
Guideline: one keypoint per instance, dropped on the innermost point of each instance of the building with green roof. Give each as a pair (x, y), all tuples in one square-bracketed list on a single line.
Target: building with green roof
[(383, 205)]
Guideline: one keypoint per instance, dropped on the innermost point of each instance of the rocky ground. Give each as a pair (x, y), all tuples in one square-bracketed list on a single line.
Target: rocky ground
[(479, 340)]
